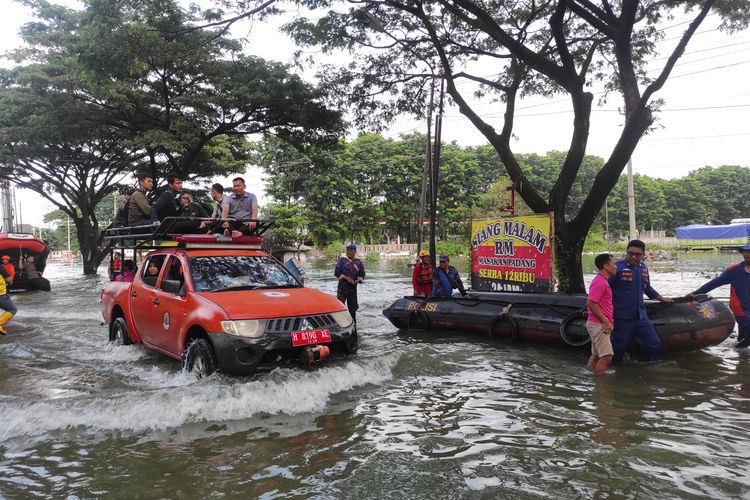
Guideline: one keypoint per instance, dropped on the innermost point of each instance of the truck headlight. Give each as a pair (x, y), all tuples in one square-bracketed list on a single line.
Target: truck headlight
[(245, 327), (342, 318)]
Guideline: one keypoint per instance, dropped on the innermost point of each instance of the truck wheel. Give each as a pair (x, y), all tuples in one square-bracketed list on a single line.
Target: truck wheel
[(118, 332), (199, 358)]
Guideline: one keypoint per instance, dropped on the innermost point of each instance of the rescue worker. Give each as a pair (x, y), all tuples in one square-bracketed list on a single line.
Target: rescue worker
[(351, 272), (445, 278), (737, 276), (629, 283), (421, 277), (6, 304), (139, 209), (9, 268)]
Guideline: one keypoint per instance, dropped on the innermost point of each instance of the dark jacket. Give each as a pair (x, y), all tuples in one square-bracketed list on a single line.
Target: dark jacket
[(168, 205), (193, 210), (121, 216)]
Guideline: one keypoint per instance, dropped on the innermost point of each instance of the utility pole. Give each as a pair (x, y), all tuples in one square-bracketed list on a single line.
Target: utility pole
[(426, 173), (435, 174), (7, 206), (631, 201)]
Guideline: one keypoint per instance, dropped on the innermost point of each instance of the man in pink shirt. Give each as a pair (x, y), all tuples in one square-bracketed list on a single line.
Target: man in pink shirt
[(601, 321)]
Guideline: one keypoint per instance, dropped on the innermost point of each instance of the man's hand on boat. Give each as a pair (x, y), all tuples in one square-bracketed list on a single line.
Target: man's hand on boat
[(666, 300)]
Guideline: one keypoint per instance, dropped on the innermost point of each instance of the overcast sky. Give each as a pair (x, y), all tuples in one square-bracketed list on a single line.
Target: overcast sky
[(704, 121)]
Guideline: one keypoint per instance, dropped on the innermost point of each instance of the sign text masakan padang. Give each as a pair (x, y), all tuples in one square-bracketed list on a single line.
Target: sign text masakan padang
[(511, 253)]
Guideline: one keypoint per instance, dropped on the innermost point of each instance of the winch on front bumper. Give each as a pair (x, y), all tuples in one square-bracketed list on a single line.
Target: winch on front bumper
[(282, 344)]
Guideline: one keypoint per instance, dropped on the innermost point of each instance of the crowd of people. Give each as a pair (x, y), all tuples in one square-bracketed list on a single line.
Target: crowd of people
[(229, 214), (617, 311), (137, 211)]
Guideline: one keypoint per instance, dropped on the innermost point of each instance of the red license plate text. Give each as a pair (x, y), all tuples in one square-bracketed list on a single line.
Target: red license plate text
[(311, 337)]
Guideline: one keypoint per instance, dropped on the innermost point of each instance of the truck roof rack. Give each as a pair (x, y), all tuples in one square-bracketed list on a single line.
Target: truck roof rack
[(174, 229)]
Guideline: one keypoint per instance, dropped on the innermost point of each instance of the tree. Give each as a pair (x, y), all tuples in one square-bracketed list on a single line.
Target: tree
[(134, 85), (519, 48)]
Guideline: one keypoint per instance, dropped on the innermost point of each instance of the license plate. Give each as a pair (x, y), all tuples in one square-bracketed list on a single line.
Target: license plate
[(311, 337)]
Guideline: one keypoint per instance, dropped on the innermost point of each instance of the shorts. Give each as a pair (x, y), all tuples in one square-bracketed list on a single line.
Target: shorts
[(601, 345)]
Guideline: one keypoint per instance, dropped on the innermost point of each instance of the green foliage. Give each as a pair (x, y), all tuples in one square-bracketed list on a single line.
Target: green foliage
[(504, 51), (289, 226), (334, 250), (134, 85), (372, 258), (452, 248), (594, 242)]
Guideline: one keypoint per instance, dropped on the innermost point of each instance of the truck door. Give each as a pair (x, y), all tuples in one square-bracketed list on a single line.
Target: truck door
[(171, 307), (144, 300)]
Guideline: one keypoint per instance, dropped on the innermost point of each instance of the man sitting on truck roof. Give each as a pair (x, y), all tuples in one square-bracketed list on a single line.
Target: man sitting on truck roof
[(240, 205), (168, 204)]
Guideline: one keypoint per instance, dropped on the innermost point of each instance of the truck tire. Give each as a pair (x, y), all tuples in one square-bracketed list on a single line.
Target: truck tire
[(199, 358), (118, 332)]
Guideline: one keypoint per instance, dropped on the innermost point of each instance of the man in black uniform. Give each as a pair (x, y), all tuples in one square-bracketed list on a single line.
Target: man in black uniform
[(350, 272)]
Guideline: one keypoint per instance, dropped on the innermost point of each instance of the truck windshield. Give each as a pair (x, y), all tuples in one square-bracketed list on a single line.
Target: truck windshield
[(233, 272)]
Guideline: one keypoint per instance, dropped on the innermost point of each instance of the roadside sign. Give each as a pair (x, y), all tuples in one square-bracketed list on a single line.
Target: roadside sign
[(512, 254)]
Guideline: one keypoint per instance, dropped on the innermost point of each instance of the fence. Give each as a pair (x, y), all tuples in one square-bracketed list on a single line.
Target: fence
[(403, 248)]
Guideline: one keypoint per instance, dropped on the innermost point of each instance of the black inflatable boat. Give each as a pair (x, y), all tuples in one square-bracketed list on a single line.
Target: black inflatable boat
[(690, 323)]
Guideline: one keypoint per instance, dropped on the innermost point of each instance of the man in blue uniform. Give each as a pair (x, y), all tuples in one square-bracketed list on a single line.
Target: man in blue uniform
[(350, 272), (738, 277), (629, 283), (445, 278)]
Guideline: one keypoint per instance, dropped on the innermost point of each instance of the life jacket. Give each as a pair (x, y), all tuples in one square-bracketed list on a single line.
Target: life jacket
[(11, 270), (3, 286), (424, 273), (116, 266)]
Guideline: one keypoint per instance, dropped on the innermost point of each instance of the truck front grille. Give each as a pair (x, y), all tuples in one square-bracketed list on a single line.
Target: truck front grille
[(296, 324)]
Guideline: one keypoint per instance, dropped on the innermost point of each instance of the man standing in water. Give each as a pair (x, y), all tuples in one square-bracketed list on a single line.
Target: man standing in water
[(600, 319), (629, 283), (6, 304), (738, 277), (351, 272)]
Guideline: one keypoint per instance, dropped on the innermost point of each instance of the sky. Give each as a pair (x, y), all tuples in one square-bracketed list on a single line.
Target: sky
[(704, 119)]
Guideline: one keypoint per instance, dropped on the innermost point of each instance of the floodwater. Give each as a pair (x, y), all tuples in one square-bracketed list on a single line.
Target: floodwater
[(406, 418)]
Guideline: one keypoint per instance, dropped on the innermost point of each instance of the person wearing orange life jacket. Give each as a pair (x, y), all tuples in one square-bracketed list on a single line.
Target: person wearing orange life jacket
[(421, 277), (8, 265), (6, 304)]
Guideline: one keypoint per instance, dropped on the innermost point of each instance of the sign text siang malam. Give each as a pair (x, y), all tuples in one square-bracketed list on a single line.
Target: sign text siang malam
[(512, 228)]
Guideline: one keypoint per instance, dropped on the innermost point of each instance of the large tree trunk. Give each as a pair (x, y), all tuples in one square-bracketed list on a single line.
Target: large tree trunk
[(568, 263), (91, 255)]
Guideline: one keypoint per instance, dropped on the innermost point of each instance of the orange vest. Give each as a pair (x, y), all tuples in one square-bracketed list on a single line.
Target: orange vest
[(11, 270), (424, 273)]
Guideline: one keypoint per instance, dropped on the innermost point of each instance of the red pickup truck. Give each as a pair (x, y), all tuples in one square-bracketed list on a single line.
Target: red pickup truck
[(227, 307)]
